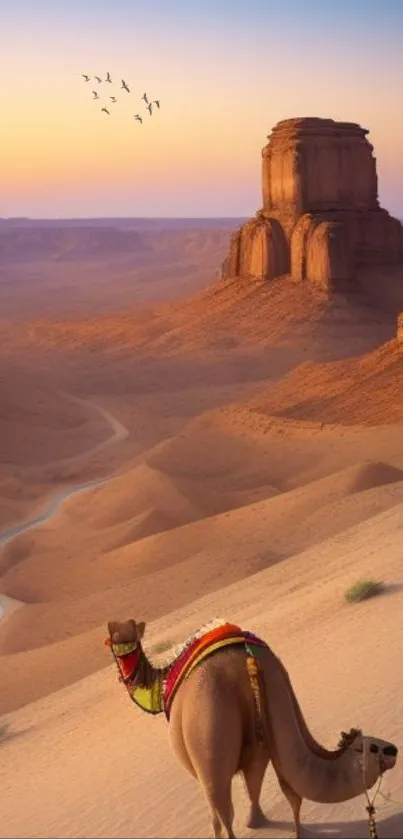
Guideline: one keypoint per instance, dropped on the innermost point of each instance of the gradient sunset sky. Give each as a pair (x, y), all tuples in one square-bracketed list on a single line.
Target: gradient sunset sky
[(225, 71)]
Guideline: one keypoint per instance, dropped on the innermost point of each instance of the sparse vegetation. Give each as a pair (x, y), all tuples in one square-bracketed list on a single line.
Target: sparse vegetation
[(162, 646), (3, 729), (362, 590)]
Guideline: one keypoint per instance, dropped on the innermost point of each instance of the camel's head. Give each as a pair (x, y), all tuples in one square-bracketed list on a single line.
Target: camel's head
[(375, 756), (126, 632)]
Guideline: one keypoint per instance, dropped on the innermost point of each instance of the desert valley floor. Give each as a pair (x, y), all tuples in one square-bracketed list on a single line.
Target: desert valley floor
[(244, 441)]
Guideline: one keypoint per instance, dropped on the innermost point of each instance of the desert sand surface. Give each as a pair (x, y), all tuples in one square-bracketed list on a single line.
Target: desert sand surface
[(105, 770), (247, 442), (73, 264)]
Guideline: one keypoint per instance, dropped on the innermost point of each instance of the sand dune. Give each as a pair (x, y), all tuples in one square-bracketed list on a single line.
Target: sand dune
[(159, 534), (256, 464), (205, 321), (30, 409), (225, 317), (168, 569), (242, 446), (134, 777), (145, 524), (132, 493), (364, 390), (57, 433), (38, 426), (261, 475)]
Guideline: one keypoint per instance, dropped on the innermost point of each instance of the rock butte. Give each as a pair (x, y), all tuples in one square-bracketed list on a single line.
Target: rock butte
[(321, 220)]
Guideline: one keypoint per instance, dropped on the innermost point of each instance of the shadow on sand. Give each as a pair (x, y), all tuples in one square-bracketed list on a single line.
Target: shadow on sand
[(388, 827)]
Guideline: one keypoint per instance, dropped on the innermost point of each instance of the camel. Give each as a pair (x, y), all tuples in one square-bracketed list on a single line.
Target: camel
[(214, 734)]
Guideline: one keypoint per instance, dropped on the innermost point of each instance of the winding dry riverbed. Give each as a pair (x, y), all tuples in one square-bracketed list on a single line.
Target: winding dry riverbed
[(120, 432)]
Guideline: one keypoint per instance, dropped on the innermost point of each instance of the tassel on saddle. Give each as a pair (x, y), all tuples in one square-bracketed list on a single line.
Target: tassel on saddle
[(254, 672)]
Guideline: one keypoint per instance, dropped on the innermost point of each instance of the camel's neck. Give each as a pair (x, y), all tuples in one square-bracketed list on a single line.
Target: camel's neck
[(317, 748), (144, 682), (311, 774)]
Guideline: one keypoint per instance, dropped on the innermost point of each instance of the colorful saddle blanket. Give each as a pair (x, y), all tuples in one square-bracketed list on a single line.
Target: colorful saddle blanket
[(197, 649), (159, 695)]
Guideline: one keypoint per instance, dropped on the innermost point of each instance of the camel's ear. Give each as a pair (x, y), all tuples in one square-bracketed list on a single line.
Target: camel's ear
[(141, 628)]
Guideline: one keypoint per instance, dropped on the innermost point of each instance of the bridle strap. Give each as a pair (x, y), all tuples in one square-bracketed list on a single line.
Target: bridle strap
[(127, 658), (370, 808)]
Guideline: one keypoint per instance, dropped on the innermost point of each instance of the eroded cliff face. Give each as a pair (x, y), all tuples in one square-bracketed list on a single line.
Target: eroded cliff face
[(400, 327), (321, 217), (258, 249), (314, 165)]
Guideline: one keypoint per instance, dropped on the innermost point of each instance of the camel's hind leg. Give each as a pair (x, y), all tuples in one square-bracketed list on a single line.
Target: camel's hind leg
[(212, 731), (222, 813), (253, 772), (215, 770), (218, 794), (295, 802)]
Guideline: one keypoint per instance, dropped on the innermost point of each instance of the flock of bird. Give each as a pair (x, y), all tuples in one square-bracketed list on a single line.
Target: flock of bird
[(149, 104)]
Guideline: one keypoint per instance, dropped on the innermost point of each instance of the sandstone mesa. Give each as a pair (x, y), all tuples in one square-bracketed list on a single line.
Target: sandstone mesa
[(321, 220)]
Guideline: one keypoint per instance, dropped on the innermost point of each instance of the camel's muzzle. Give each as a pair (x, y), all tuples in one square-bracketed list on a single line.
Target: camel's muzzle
[(386, 763), (387, 758)]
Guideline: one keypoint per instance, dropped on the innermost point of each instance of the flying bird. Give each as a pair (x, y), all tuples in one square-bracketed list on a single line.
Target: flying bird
[(124, 86), (98, 79), (150, 108), (86, 78), (105, 111), (136, 116), (95, 95), (156, 102), (144, 96), (113, 99), (108, 78)]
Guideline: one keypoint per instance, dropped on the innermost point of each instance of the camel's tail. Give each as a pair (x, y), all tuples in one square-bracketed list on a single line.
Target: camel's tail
[(258, 686)]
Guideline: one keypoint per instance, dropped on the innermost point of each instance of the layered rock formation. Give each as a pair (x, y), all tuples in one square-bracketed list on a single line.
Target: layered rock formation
[(321, 218), (400, 327)]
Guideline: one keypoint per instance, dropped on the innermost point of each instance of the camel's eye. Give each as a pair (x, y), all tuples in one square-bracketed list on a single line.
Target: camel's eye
[(374, 748)]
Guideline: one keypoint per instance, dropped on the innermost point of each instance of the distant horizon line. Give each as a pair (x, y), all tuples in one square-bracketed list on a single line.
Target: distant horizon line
[(118, 218)]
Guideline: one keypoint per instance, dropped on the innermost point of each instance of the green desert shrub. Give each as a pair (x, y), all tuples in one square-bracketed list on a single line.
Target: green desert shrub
[(362, 590), (162, 646), (3, 729)]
